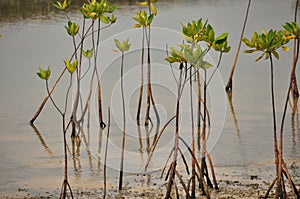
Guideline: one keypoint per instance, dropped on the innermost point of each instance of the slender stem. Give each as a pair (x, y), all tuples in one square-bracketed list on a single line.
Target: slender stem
[(124, 123), (54, 104), (176, 140), (105, 156), (56, 82), (193, 194), (274, 129), (229, 83), (203, 150), (142, 78)]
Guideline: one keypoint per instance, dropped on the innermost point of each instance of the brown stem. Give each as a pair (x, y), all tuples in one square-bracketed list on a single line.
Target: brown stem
[(142, 80), (193, 191), (199, 110), (105, 156), (124, 124), (276, 152), (229, 83), (56, 82)]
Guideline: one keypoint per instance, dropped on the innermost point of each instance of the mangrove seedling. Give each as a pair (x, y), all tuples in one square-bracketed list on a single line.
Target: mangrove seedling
[(268, 43), (145, 21), (122, 46), (45, 75), (193, 54), (99, 13)]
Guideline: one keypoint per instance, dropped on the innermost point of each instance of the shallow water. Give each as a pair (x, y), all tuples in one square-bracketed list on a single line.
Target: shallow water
[(31, 159)]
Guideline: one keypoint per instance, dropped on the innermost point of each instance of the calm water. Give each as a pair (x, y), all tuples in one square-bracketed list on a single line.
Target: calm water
[(33, 35)]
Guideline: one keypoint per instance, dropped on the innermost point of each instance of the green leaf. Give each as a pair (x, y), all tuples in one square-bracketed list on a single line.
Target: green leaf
[(206, 65), (150, 19), (250, 51), (72, 28), (259, 58), (123, 45), (285, 48), (153, 9), (222, 38), (276, 55), (44, 74), (137, 25), (104, 19), (71, 66), (88, 53), (247, 42), (144, 3)]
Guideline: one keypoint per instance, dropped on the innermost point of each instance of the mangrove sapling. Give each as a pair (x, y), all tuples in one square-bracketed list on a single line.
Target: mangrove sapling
[(194, 33), (122, 46), (145, 21), (101, 11), (268, 43), (229, 82), (142, 20), (45, 75)]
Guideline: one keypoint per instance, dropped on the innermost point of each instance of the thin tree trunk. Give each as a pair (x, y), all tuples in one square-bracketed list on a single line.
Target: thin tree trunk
[(105, 156), (193, 191), (199, 110), (142, 80), (176, 140), (124, 124), (229, 83), (278, 190), (203, 136)]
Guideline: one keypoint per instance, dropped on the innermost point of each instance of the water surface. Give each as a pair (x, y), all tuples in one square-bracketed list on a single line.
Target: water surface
[(33, 35)]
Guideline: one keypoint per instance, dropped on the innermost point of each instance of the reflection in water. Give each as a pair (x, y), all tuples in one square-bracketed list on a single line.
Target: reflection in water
[(75, 155), (37, 132), (15, 10), (229, 97)]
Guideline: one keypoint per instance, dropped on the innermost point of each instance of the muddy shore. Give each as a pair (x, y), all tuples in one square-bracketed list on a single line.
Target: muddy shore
[(242, 181)]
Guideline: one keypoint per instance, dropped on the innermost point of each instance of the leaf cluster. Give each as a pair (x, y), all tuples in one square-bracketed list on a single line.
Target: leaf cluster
[(189, 54), (291, 30), (94, 9), (266, 42), (71, 67), (197, 31), (44, 74), (72, 28), (152, 7), (143, 19), (122, 45), (88, 53), (62, 5)]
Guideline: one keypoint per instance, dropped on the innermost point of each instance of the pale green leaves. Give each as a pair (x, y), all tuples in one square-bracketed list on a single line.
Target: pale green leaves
[(267, 42), (196, 32), (143, 19), (94, 9), (71, 67), (176, 56), (88, 53), (152, 7), (44, 74), (122, 45), (291, 30), (62, 5), (193, 55), (72, 28)]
